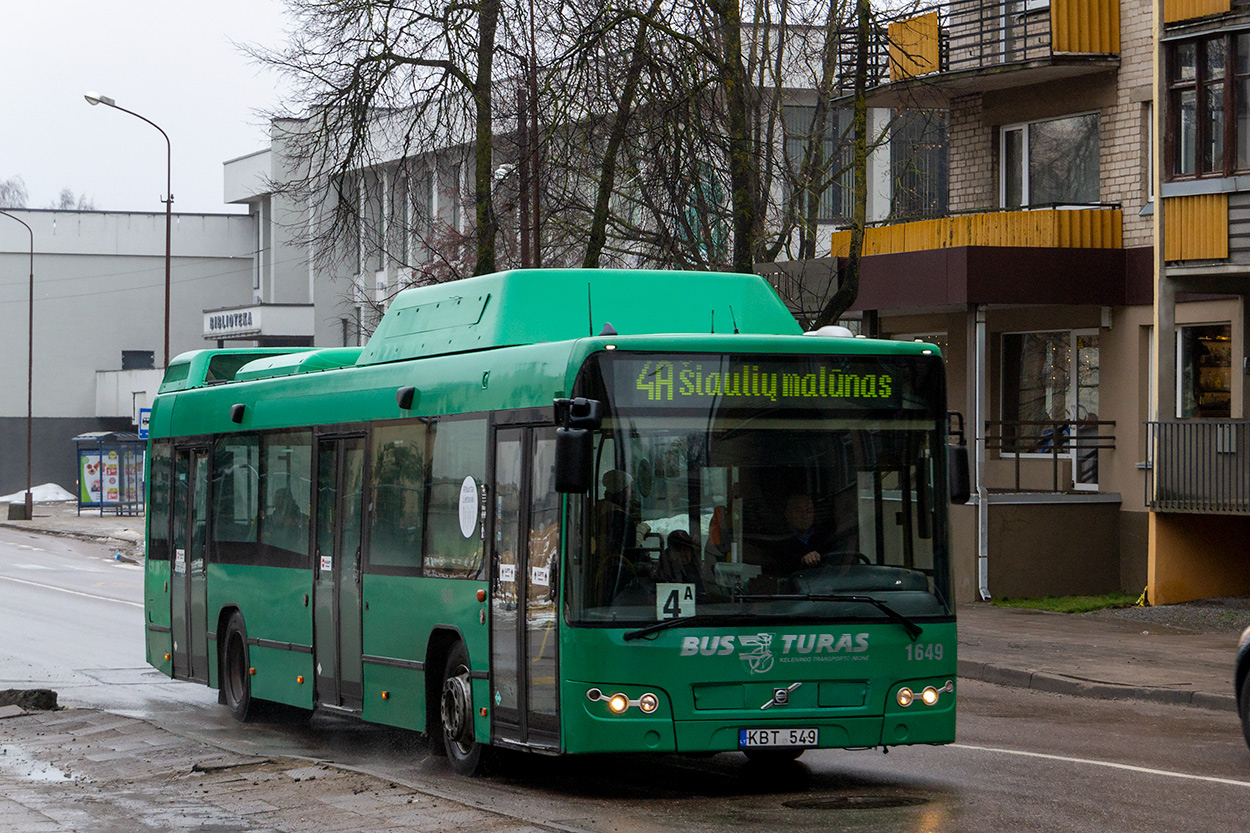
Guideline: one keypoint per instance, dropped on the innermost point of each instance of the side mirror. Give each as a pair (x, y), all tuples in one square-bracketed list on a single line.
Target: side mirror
[(574, 449), (960, 481), (578, 413), (576, 419)]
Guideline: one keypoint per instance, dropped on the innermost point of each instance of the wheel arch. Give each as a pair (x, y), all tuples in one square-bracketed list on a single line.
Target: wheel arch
[(223, 620), (442, 639)]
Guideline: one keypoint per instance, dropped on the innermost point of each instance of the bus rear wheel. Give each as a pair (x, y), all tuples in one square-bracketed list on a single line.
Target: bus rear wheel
[(456, 713), (236, 681)]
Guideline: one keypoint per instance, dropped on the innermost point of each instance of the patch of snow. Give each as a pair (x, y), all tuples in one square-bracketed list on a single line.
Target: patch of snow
[(47, 493)]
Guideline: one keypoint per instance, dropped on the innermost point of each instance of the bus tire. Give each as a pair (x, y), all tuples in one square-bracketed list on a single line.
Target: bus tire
[(236, 680), (456, 714)]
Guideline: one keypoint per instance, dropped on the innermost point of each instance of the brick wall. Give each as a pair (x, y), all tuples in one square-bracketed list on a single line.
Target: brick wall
[(1125, 133), (974, 152), (973, 158)]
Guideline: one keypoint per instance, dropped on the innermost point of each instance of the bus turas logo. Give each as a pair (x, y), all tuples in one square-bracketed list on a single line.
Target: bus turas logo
[(760, 658), (760, 651)]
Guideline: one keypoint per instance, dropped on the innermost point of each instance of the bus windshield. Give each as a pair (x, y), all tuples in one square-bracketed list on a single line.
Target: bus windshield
[(771, 485)]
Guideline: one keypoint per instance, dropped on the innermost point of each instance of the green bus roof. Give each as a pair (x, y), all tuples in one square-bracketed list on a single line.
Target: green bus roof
[(331, 358), (538, 305)]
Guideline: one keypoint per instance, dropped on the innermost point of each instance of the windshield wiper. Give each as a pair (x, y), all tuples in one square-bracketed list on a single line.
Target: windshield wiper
[(913, 630), (683, 621)]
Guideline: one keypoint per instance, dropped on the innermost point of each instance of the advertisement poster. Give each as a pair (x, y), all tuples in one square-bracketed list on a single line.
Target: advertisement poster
[(89, 477), (111, 476)]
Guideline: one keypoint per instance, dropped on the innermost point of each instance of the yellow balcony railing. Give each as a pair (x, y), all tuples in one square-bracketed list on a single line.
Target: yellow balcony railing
[(1078, 228), (1175, 11), (1085, 26), (1195, 228), (914, 47)]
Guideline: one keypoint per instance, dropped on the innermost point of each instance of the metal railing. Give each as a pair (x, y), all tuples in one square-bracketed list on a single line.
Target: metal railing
[(976, 34), (979, 33), (1199, 467), (1074, 442)]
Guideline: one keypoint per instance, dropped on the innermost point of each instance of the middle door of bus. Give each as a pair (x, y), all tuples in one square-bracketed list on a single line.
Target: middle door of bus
[(525, 557), (188, 592), (336, 570)]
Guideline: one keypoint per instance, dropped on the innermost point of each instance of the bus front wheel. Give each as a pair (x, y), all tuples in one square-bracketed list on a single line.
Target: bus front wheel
[(456, 713), (236, 682)]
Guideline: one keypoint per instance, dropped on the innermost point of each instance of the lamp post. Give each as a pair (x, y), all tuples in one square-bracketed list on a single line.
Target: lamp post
[(94, 99), (30, 363)]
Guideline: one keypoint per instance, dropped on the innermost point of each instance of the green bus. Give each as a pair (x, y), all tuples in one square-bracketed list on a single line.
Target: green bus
[(569, 511)]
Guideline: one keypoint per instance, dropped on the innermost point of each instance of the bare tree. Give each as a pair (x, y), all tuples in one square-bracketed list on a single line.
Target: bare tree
[(66, 201), (378, 81), (701, 134), (13, 193)]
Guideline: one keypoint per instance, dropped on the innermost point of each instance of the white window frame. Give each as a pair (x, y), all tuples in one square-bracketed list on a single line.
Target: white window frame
[(1070, 398), (1023, 127)]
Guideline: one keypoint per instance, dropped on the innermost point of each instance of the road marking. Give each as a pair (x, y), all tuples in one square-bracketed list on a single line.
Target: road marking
[(1127, 767), (71, 592)]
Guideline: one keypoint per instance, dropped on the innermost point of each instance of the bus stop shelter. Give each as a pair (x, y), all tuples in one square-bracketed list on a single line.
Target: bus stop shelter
[(111, 472)]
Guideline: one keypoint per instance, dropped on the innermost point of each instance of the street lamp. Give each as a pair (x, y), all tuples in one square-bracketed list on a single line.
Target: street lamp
[(30, 364), (94, 99)]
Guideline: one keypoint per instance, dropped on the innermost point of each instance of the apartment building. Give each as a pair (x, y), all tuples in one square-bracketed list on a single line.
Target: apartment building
[(1037, 282), (1199, 485)]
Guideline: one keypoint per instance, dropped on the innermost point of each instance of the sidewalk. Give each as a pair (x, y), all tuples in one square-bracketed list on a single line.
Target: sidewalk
[(122, 532), (1096, 655), (82, 769), (1102, 655)]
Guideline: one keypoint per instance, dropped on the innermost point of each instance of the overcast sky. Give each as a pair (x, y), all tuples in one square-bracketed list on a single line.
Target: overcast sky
[(171, 60)]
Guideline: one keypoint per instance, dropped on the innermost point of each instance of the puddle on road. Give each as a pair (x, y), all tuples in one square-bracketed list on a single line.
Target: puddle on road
[(15, 761)]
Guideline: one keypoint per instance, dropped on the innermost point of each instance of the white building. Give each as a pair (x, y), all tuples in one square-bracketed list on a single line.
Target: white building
[(99, 279)]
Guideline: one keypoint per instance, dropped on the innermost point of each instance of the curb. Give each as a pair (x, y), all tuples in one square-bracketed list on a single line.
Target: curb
[(120, 545), (1074, 687)]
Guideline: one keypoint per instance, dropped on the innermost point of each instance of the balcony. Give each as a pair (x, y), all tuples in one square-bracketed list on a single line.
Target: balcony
[(1066, 452), (1050, 255), (1093, 227), (1199, 467), (961, 47)]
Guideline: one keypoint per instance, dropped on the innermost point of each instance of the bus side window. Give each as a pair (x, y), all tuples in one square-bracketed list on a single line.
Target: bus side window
[(285, 493), (457, 451), (160, 481), (397, 489), (236, 489)]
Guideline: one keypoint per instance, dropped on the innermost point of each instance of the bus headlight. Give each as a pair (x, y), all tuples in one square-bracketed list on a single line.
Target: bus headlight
[(648, 703), (618, 703), (929, 696), (905, 697)]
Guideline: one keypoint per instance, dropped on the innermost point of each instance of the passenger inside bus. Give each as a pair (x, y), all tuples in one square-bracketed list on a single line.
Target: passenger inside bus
[(803, 542), (679, 563)]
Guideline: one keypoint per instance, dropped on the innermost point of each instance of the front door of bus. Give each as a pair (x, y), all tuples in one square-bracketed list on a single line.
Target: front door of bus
[(336, 588), (188, 599), (525, 556)]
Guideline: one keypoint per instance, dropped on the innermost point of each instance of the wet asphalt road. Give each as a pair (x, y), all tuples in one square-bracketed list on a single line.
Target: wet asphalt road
[(71, 620)]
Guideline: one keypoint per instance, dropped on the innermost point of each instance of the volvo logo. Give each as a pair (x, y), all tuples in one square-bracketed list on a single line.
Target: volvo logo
[(781, 697)]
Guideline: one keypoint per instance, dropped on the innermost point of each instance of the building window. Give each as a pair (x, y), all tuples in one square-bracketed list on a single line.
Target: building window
[(1053, 162), (1209, 106), (799, 124), (1047, 377), (1204, 362), (918, 163)]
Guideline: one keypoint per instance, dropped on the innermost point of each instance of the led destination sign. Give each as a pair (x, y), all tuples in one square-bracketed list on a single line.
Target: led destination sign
[(797, 381)]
